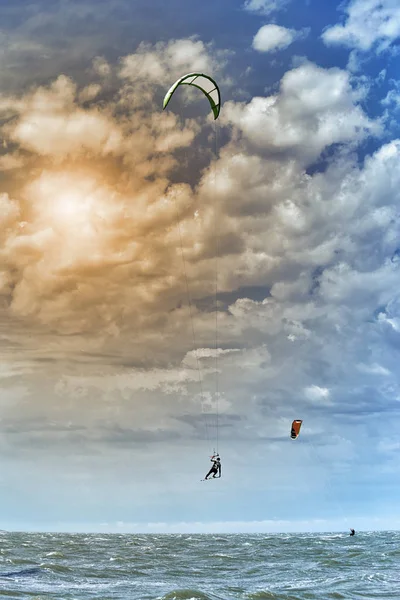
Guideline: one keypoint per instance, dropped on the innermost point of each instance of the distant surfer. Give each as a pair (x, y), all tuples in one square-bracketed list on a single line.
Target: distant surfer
[(352, 532), (216, 467)]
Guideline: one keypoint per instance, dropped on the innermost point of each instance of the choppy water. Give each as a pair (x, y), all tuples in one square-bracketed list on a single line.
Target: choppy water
[(200, 567)]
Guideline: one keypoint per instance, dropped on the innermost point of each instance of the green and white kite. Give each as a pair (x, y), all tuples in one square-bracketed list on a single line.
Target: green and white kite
[(204, 83)]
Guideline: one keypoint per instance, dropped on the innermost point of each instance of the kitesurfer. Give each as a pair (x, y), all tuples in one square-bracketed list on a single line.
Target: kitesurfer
[(216, 467), (352, 532)]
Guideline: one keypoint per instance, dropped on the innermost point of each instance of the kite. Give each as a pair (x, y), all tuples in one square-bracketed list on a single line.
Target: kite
[(204, 83), (296, 426)]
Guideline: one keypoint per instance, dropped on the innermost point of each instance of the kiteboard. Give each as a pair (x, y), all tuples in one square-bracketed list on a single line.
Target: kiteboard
[(210, 478)]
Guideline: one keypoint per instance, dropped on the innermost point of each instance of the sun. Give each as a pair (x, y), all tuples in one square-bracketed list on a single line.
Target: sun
[(76, 210), (73, 202), (72, 205)]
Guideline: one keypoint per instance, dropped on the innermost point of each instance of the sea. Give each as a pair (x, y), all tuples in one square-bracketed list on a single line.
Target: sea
[(200, 567)]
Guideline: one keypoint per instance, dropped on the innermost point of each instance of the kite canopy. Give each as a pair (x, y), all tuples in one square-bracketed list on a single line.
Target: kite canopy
[(204, 83), (296, 426)]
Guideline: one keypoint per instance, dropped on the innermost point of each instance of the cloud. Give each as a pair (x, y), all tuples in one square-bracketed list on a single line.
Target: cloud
[(162, 63), (90, 92), (101, 67), (51, 124), (370, 23), (392, 98), (374, 369), (10, 370), (271, 38), (265, 7), (109, 233), (317, 394), (314, 109), (76, 225), (11, 161), (63, 213), (81, 230)]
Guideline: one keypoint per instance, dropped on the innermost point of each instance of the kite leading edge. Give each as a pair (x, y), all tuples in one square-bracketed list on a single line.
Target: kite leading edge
[(203, 82)]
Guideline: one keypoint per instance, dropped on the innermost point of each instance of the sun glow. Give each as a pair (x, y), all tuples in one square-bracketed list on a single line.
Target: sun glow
[(65, 201), (76, 209)]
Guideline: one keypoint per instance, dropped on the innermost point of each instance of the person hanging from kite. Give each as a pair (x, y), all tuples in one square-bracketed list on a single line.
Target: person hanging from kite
[(216, 467), (210, 89)]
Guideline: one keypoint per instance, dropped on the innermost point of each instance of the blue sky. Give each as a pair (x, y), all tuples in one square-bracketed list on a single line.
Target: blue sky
[(104, 423)]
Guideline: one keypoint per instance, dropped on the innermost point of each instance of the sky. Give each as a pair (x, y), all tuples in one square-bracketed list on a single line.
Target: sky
[(171, 285)]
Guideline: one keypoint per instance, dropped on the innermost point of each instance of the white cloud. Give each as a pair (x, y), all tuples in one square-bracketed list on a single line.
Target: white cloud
[(369, 23), (393, 322), (8, 370), (164, 62), (392, 98), (314, 109), (374, 369), (50, 123), (317, 394), (389, 446), (271, 38), (265, 7)]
